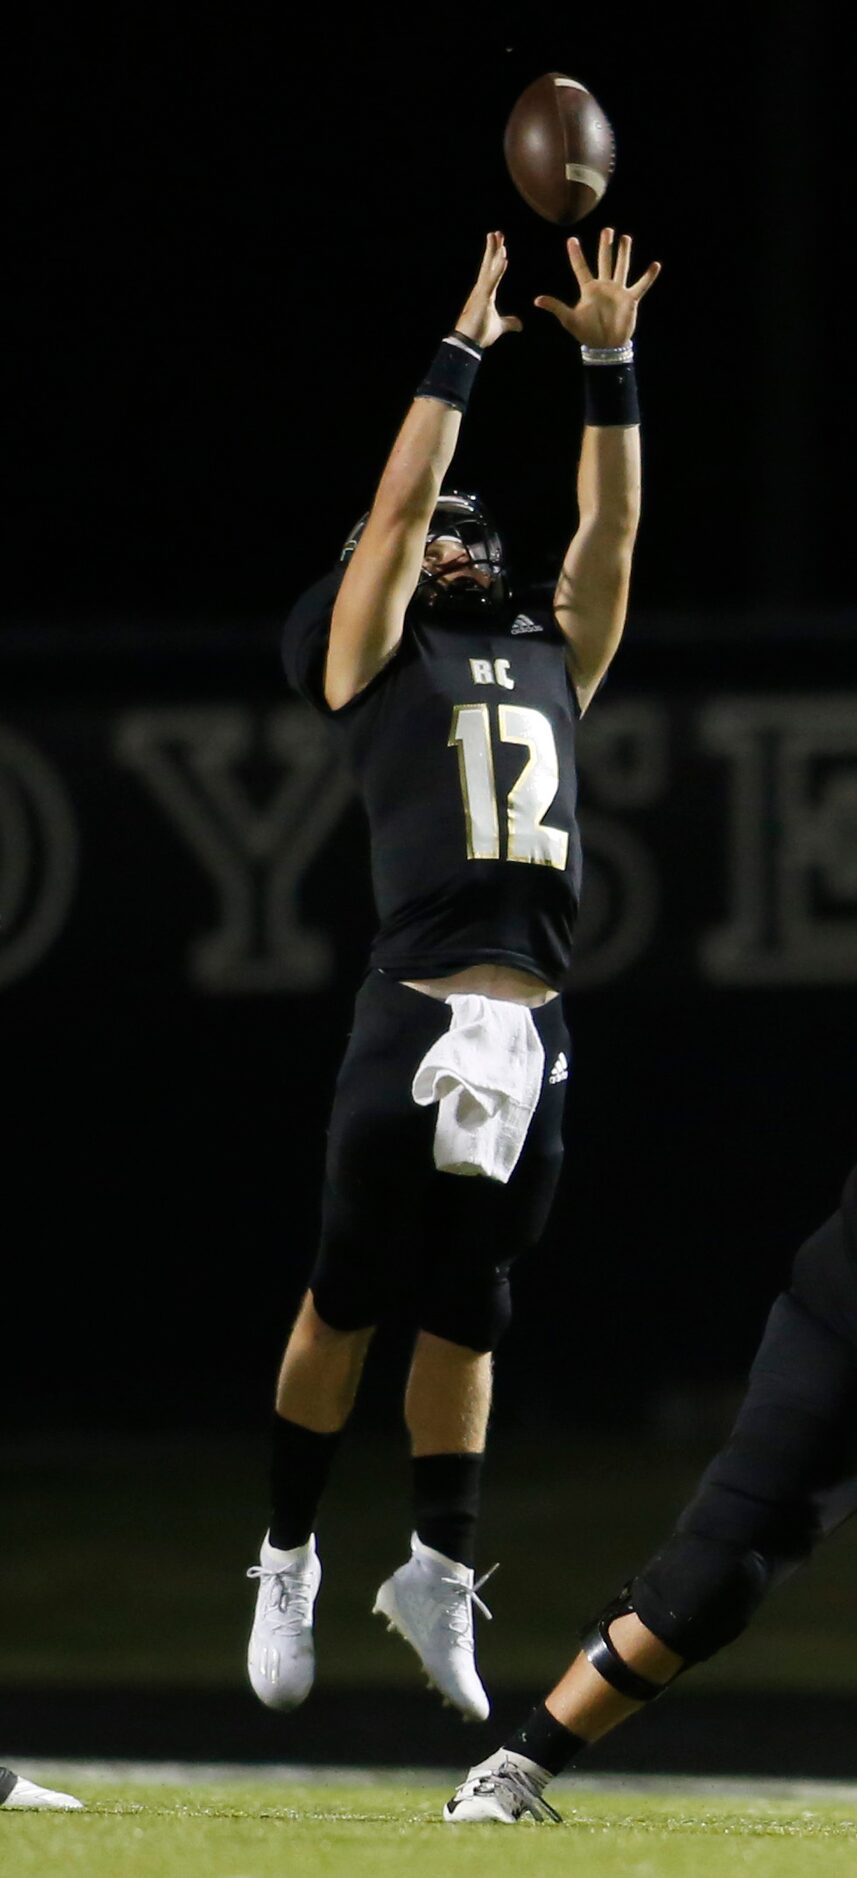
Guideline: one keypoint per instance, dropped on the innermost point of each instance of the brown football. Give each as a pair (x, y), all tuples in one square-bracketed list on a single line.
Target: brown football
[(559, 148)]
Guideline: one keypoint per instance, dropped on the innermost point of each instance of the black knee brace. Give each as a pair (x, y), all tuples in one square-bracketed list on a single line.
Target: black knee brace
[(760, 1506), (597, 1644), (696, 1594), (715, 1595), (785, 1476)]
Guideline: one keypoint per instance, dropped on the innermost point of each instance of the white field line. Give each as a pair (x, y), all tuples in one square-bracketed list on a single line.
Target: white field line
[(209, 1773)]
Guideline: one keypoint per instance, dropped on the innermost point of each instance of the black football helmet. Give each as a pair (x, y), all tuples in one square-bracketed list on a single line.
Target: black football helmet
[(462, 517)]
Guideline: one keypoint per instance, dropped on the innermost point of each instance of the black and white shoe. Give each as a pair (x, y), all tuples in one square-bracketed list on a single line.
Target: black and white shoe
[(501, 1790), (16, 1792)]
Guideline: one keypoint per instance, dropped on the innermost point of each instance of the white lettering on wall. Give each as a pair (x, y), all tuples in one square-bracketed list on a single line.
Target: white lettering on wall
[(623, 757), (38, 856), (254, 840), (791, 840)]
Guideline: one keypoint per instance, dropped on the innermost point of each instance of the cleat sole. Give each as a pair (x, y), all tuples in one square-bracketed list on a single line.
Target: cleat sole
[(394, 1629)]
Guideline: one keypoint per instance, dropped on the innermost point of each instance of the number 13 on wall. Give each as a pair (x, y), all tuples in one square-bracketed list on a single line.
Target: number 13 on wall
[(528, 837)]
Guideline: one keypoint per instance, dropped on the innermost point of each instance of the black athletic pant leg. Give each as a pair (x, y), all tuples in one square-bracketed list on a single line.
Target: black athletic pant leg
[(788, 1472)]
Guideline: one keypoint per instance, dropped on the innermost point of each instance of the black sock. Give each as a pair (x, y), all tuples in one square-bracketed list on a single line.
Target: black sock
[(544, 1740), (300, 1464), (446, 1503)]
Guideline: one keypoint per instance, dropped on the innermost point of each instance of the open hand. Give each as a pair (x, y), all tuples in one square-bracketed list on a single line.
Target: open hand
[(606, 313), (479, 319)]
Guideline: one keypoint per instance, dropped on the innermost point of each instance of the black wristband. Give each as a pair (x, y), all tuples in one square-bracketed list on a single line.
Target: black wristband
[(452, 371), (610, 394)]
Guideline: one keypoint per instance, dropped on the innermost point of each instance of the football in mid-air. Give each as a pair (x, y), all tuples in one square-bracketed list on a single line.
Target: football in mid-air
[(559, 148)]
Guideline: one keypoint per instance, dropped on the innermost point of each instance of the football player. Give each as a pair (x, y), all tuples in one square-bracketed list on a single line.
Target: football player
[(786, 1477), (456, 709)]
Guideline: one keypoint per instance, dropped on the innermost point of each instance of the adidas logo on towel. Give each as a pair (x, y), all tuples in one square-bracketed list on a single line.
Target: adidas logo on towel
[(523, 624), (559, 1073)]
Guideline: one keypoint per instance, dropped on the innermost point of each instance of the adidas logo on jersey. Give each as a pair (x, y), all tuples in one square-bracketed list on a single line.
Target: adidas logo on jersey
[(559, 1073), (523, 624)]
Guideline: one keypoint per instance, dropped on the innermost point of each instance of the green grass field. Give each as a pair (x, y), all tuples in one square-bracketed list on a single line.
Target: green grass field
[(272, 1829)]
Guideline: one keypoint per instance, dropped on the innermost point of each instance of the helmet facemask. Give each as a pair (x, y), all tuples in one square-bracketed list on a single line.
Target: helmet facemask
[(461, 519)]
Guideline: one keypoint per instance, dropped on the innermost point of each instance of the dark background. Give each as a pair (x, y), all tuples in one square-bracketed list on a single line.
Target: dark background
[(231, 245), (230, 248)]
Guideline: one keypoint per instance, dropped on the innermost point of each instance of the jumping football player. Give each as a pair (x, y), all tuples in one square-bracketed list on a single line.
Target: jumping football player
[(457, 712), (786, 1477)]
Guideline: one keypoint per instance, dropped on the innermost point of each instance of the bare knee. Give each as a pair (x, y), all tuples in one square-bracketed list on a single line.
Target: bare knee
[(310, 1332), (443, 1350), (320, 1371)]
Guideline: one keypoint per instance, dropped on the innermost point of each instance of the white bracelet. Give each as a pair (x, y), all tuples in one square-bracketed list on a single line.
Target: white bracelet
[(608, 355)]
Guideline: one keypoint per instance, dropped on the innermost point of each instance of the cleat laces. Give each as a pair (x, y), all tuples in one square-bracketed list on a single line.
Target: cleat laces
[(289, 1592), (458, 1608), (513, 1783)]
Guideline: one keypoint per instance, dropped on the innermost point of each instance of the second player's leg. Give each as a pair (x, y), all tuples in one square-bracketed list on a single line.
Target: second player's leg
[(587, 1705), (784, 1478)]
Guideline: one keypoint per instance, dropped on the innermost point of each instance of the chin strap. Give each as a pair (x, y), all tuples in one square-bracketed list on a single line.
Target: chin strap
[(596, 1644), (466, 601), (464, 584)]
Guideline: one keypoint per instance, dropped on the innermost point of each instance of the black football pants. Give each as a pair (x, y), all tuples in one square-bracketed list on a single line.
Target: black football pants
[(398, 1235)]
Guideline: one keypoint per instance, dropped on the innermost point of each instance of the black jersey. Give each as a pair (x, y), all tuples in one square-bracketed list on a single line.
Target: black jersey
[(463, 750)]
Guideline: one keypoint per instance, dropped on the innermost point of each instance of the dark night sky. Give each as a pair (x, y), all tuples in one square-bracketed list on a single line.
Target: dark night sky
[(234, 239)]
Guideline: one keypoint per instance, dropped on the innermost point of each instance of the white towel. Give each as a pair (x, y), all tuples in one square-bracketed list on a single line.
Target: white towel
[(485, 1074)]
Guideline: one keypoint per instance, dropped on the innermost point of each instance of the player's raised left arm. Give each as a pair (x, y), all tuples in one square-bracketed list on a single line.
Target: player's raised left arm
[(591, 597)]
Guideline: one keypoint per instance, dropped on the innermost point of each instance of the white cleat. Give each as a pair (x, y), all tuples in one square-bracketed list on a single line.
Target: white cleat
[(429, 1601), (16, 1792), (501, 1790), (280, 1654)]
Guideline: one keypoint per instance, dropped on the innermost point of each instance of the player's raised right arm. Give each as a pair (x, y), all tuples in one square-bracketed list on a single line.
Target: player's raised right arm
[(384, 568)]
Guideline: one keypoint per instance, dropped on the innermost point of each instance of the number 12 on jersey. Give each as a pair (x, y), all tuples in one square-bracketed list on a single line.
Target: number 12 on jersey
[(528, 838)]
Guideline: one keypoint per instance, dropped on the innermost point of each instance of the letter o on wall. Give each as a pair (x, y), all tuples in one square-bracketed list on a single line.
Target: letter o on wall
[(38, 856)]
